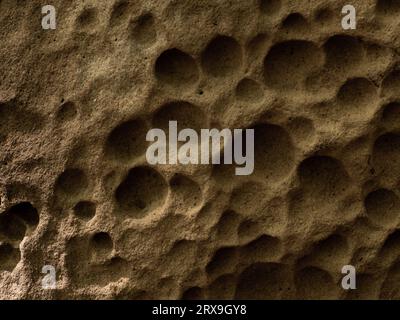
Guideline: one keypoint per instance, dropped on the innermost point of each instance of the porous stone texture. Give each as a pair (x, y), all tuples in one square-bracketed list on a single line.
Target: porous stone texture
[(77, 192)]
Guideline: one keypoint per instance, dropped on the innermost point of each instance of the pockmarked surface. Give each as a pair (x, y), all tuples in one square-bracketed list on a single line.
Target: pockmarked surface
[(83, 214)]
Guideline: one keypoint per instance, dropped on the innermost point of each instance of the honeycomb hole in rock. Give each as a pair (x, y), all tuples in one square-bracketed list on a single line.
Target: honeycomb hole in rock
[(315, 283), (118, 10), (391, 115), (143, 31), (186, 115), (127, 141), (188, 193), (12, 227), (249, 91), (26, 212), (15, 221), (222, 57), (101, 243), (143, 191), (175, 68), (224, 261), (87, 18), (85, 210), (273, 152), (359, 97), (295, 22), (71, 183), (343, 53), (270, 7), (383, 207), (262, 281), (323, 177), (15, 116), (392, 240), (385, 157), (9, 257), (67, 111), (299, 213), (288, 64)]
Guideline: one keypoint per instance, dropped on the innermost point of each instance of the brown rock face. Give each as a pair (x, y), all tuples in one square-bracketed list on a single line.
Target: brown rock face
[(78, 196)]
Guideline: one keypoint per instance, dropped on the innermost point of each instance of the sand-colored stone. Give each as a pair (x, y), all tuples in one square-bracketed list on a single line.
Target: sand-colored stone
[(77, 193)]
